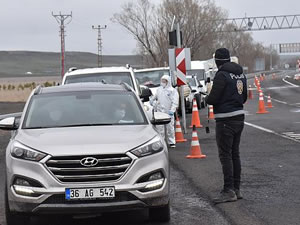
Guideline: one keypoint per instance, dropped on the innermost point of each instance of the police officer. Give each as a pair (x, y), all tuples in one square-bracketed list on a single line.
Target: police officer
[(228, 94)]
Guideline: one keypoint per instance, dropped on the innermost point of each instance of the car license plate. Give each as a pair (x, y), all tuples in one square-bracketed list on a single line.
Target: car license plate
[(89, 193)]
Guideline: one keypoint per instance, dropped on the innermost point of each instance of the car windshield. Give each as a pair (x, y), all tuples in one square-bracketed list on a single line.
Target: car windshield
[(192, 81), (151, 78), (108, 78), (93, 108)]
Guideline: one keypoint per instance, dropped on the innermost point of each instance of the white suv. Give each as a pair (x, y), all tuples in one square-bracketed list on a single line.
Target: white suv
[(106, 75), (85, 149)]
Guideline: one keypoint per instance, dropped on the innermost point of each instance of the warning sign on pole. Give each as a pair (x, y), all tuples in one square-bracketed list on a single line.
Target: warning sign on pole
[(180, 66)]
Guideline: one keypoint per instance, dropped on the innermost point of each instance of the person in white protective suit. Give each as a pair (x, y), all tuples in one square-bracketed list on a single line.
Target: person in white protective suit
[(166, 100)]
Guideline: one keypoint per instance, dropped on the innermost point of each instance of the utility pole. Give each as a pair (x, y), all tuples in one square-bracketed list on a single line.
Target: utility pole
[(62, 19), (99, 28)]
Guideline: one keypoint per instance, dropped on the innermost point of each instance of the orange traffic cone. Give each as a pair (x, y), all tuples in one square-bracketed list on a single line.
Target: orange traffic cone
[(258, 85), (178, 132), (211, 114), (269, 102), (250, 94), (195, 152), (195, 116), (261, 104)]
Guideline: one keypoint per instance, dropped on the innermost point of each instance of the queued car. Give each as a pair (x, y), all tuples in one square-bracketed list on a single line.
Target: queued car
[(106, 75), (198, 89), (109, 75), (85, 148), (151, 77)]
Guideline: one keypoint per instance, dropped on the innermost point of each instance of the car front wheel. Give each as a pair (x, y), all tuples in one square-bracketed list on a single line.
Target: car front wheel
[(160, 214)]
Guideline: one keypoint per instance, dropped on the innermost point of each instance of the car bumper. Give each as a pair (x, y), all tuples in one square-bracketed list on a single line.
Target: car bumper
[(51, 198)]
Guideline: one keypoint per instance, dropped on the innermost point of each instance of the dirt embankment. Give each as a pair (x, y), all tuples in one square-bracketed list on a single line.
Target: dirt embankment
[(18, 89)]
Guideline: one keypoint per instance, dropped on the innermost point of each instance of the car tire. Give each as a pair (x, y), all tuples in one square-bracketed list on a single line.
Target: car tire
[(14, 218), (198, 100), (160, 214)]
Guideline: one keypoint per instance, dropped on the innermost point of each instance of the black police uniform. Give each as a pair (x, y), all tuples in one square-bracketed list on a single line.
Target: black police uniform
[(228, 94)]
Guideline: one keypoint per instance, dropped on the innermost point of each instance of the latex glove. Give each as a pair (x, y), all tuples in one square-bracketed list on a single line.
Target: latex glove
[(152, 100), (171, 113)]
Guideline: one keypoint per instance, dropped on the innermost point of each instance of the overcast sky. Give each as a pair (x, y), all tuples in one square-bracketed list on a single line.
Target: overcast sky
[(28, 24)]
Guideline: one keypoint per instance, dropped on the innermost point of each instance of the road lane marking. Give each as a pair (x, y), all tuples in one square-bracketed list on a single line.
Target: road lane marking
[(276, 100), (272, 132), (260, 128), (292, 135), (275, 88), (294, 85)]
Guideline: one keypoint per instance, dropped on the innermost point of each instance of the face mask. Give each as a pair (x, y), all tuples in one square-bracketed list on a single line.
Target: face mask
[(120, 113), (163, 84)]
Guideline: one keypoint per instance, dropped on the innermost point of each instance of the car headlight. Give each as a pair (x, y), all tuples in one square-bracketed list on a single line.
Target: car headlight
[(151, 147), (21, 151)]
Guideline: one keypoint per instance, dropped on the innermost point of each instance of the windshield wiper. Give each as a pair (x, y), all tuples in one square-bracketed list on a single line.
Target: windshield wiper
[(37, 127), (88, 125), (73, 125)]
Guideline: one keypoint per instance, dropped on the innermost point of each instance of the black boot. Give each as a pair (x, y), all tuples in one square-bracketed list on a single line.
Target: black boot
[(225, 196), (238, 194)]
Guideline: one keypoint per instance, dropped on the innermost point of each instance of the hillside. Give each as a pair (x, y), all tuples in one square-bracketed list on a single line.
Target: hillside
[(18, 63)]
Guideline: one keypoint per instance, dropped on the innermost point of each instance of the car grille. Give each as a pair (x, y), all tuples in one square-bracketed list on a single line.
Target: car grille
[(69, 169), (120, 197)]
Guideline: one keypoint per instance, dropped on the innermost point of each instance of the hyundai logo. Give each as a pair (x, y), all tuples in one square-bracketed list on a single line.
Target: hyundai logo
[(89, 162)]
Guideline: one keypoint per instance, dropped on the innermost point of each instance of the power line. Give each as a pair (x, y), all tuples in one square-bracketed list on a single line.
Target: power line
[(99, 41), (62, 19), (259, 23)]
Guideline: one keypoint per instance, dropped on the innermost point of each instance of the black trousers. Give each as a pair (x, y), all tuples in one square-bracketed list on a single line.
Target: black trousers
[(228, 136)]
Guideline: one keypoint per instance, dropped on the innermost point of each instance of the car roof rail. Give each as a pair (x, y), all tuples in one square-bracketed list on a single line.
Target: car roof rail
[(126, 86), (37, 90), (72, 69)]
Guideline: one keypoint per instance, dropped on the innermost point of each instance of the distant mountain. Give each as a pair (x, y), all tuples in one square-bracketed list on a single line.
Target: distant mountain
[(19, 63)]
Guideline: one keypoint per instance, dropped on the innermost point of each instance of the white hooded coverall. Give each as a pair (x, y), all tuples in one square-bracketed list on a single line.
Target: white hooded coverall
[(166, 100)]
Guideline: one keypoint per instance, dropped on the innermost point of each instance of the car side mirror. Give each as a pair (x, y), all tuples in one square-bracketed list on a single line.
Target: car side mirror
[(145, 95), (200, 86), (194, 91), (8, 124), (160, 118)]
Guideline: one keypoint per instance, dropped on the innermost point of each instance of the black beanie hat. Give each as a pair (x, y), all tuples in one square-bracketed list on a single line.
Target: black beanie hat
[(222, 54)]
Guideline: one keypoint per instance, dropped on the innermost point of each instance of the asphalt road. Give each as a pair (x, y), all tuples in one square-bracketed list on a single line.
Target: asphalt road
[(270, 155), (270, 167)]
